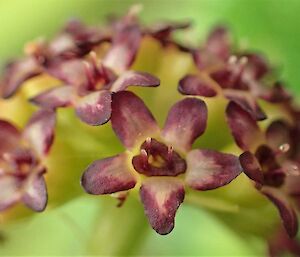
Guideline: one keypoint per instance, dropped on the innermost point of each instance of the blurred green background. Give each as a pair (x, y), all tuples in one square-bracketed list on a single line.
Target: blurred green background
[(270, 26)]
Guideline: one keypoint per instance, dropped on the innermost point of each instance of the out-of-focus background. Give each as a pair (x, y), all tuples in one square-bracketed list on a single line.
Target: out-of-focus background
[(269, 26)]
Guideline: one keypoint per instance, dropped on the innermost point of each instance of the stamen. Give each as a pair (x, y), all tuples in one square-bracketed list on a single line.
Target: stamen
[(170, 153), (232, 59), (148, 142), (284, 148), (144, 158)]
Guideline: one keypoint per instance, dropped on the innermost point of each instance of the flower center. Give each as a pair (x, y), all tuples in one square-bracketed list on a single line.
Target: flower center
[(157, 159)]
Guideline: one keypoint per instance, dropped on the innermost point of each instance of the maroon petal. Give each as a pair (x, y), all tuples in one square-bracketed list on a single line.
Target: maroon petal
[(161, 198), (39, 131), (134, 78), (219, 42), (251, 167), (35, 195), (16, 73), (247, 102), (279, 135), (9, 137), (287, 213), (131, 120), (277, 94), (9, 191), (195, 85), (108, 176), (95, 108), (186, 121), (55, 97), (124, 48), (208, 169), (243, 127)]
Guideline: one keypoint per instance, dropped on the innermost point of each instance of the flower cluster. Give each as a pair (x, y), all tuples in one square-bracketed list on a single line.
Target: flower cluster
[(94, 67)]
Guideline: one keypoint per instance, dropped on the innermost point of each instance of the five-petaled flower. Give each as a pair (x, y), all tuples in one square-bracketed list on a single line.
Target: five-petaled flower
[(163, 159), (239, 77), (271, 160), (21, 161)]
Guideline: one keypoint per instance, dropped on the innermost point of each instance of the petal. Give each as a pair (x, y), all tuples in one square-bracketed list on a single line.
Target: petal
[(124, 48), (279, 135), (243, 127), (186, 121), (219, 42), (9, 137), (95, 108), (251, 167), (247, 102), (161, 198), (16, 73), (109, 175), (208, 169), (9, 191), (39, 131), (35, 195), (287, 213), (195, 85), (257, 65), (134, 78), (277, 94), (55, 97), (131, 119)]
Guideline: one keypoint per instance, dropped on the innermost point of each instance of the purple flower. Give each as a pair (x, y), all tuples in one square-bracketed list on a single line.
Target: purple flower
[(21, 161), (271, 160), (160, 161), (236, 76)]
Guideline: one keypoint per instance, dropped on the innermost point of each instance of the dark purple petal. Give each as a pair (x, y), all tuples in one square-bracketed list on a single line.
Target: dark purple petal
[(257, 65), (247, 101), (124, 48), (251, 167), (72, 72), (95, 108), (9, 137), (35, 195), (219, 42), (186, 121), (134, 78), (277, 94), (9, 191), (39, 131), (243, 127), (131, 120), (16, 73), (281, 244), (208, 169), (55, 97), (195, 85), (279, 135), (161, 198), (108, 176), (287, 213)]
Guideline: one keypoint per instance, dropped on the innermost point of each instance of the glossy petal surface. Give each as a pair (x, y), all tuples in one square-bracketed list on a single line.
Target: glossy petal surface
[(131, 119), (243, 127), (195, 85), (39, 131), (287, 213), (108, 176), (55, 97), (9, 191), (95, 108), (251, 167), (161, 198), (186, 121), (35, 195), (208, 169), (134, 78), (9, 137)]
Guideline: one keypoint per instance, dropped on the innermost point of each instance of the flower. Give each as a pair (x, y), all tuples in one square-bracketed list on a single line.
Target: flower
[(157, 159), (239, 77), (21, 161), (270, 159)]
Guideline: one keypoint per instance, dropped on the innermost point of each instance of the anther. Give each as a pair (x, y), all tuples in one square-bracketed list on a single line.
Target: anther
[(284, 148)]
